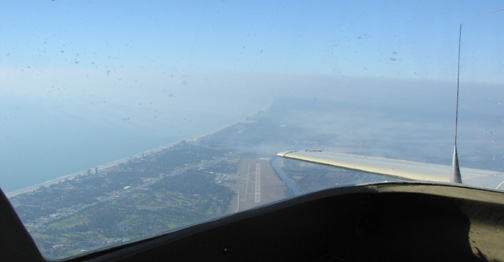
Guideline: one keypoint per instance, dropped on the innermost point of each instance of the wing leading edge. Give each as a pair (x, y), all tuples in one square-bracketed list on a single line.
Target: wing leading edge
[(397, 168)]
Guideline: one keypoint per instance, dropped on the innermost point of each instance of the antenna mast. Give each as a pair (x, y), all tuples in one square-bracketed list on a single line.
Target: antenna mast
[(456, 176)]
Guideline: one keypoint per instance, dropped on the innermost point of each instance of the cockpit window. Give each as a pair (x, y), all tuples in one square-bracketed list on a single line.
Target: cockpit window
[(125, 120)]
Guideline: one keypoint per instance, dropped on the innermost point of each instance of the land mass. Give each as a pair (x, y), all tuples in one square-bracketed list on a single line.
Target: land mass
[(194, 180)]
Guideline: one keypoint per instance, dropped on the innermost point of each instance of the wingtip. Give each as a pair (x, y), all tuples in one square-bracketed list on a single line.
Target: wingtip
[(284, 154)]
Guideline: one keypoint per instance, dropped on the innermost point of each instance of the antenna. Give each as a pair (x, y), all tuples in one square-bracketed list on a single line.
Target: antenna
[(456, 176)]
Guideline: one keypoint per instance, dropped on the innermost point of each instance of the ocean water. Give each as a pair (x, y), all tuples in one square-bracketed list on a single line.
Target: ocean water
[(52, 132)]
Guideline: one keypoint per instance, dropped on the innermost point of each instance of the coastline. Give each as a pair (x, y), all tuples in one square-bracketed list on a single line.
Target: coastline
[(132, 157)]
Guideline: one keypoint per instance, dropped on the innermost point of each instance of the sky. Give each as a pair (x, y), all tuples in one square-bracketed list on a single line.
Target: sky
[(92, 74), (407, 39)]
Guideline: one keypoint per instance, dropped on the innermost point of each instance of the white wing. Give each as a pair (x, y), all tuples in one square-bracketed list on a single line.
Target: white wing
[(398, 168)]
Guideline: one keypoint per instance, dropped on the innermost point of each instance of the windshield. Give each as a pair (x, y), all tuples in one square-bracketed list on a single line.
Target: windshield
[(125, 120)]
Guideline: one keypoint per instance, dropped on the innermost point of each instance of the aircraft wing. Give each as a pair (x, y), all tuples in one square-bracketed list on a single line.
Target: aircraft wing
[(398, 168)]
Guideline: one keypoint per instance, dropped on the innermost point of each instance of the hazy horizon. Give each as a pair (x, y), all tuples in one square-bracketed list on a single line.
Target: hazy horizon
[(52, 137)]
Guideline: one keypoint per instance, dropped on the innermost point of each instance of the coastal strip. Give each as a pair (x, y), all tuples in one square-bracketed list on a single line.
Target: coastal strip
[(140, 155)]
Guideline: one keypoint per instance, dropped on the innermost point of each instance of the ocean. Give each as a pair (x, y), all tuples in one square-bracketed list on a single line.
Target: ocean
[(46, 136)]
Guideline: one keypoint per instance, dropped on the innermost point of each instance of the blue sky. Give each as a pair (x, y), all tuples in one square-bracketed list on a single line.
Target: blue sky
[(406, 39), (72, 72)]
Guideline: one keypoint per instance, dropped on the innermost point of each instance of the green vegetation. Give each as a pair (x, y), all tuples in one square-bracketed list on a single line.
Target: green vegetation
[(172, 203), (138, 199), (163, 191)]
